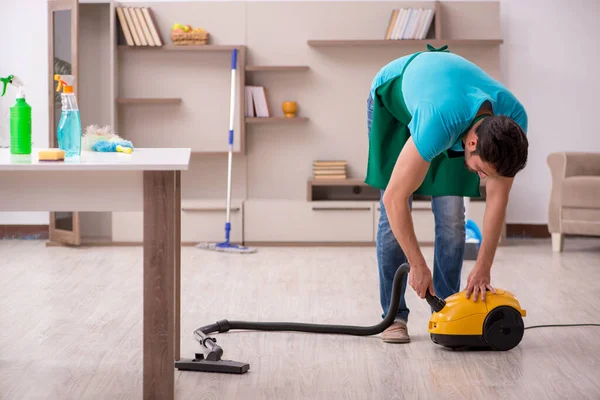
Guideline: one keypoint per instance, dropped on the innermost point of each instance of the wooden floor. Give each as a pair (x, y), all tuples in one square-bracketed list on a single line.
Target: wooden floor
[(71, 324)]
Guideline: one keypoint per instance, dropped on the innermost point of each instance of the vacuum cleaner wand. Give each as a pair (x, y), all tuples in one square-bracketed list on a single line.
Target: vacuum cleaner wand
[(210, 360), (435, 302)]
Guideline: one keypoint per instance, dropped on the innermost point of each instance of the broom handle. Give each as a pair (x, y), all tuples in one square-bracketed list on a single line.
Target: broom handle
[(230, 157)]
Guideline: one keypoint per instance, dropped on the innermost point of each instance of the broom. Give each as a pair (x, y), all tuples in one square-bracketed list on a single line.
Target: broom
[(226, 246)]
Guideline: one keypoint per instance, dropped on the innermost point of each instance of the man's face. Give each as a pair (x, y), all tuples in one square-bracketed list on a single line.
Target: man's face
[(474, 164)]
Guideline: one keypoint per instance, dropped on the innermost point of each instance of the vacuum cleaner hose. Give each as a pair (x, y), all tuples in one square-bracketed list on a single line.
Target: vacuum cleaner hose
[(225, 325)]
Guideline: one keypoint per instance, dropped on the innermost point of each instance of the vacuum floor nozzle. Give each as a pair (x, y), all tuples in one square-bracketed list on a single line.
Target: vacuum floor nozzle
[(203, 365)]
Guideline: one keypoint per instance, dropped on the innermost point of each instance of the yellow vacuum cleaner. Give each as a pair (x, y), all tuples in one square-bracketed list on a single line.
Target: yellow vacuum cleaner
[(495, 323)]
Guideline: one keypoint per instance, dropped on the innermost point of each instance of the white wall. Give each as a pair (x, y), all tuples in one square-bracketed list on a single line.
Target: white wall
[(550, 60), (549, 57), (23, 52)]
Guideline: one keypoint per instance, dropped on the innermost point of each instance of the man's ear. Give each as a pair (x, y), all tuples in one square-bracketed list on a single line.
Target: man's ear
[(471, 141)]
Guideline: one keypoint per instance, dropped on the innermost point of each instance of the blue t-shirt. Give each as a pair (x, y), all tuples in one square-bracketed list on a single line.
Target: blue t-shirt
[(443, 92)]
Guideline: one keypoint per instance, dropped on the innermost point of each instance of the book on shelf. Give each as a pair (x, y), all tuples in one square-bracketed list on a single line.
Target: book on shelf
[(329, 163), (138, 26), (152, 26), (409, 23), (388, 32), (329, 169), (330, 172), (330, 177), (145, 28), (256, 102)]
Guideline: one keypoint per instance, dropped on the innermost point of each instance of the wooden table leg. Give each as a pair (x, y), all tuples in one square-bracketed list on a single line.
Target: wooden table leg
[(159, 284), (177, 265)]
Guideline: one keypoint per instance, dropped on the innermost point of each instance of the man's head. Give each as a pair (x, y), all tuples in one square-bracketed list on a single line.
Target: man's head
[(496, 146)]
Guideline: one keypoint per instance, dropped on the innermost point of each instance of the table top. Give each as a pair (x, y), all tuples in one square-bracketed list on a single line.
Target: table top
[(154, 159)]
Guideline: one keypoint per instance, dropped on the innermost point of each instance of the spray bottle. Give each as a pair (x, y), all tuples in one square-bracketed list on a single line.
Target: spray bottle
[(20, 118), (69, 126)]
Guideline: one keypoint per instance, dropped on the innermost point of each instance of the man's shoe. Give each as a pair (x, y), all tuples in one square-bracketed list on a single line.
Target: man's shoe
[(396, 333)]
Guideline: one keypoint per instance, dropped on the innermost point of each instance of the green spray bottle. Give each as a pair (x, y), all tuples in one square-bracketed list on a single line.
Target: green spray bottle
[(20, 118)]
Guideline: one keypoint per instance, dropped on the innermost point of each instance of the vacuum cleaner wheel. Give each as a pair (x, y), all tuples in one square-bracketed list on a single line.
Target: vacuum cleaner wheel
[(503, 328)]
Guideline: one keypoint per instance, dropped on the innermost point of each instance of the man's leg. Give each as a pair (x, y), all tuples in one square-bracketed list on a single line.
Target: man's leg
[(449, 246), (389, 257)]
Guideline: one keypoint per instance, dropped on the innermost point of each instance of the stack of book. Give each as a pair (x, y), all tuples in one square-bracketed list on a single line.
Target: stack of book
[(329, 169), (409, 23), (256, 102), (138, 26)]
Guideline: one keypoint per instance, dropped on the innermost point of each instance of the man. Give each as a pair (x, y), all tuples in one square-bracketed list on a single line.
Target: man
[(437, 125)]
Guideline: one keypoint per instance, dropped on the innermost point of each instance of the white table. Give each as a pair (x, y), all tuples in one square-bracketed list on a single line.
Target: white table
[(148, 180)]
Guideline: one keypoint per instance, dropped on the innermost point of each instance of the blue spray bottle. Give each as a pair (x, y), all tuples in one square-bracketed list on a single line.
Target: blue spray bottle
[(69, 126)]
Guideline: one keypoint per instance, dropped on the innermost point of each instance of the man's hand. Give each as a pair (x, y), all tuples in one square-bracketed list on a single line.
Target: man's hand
[(478, 282), (497, 191), (419, 278)]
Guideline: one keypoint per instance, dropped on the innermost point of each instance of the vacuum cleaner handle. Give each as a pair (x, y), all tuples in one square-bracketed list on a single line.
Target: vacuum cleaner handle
[(435, 302)]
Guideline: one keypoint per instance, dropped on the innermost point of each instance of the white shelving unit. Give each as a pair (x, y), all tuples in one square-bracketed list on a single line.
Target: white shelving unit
[(324, 57)]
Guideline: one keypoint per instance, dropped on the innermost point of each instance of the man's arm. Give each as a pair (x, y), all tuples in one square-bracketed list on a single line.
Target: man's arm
[(497, 193), (408, 174)]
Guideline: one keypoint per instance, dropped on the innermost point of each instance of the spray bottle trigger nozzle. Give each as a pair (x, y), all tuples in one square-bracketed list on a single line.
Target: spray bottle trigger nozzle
[(65, 82), (60, 82), (5, 82)]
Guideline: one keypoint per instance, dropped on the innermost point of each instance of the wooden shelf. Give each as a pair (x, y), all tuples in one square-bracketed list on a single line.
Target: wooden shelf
[(274, 120), (337, 182), (350, 189), (400, 43), (171, 47), (277, 68), (126, 100)]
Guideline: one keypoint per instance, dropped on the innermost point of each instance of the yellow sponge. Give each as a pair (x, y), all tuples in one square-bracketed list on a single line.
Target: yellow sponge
[(51, 155)]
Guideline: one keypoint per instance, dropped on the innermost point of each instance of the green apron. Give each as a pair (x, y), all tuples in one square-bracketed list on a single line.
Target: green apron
[(447, 174)]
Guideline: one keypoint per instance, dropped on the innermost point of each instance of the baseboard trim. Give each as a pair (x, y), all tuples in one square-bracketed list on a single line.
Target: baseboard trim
[(92, 244), (310, 244), (321, 244), (108, 243), (24, 232), (518, 231)]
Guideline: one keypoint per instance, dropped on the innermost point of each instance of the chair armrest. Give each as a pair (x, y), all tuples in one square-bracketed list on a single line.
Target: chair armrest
[(580, 164)]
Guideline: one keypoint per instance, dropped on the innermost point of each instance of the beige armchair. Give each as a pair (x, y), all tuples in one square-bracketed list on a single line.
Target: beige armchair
[(575, 198)]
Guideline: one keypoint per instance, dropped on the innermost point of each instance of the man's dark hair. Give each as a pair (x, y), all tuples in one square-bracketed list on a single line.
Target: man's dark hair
[(503, 144)]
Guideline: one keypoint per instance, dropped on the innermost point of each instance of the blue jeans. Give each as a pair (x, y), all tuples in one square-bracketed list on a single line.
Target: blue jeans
[(449, 246)]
